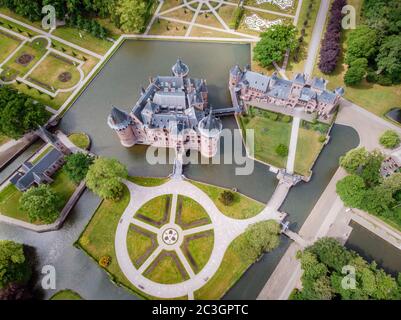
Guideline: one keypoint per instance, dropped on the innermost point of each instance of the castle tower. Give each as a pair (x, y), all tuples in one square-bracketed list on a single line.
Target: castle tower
[(210, 129), (180, 69), (235, 75), (121, 123)]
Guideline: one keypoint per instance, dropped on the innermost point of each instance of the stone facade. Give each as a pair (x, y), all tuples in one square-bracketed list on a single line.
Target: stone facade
[(310, 95), (171, 112)]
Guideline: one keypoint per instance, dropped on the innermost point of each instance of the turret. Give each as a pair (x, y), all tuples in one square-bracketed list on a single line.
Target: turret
[(235, 75), (121, 123), (180, 69), (210, 129)]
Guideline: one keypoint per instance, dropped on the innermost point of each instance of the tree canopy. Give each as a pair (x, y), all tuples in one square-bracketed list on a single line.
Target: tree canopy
[(41, 203), (390, 139), (77, 165), (19, 114), (14, 267), (354, 159), (323, 275), (274, 43), (105, 176)]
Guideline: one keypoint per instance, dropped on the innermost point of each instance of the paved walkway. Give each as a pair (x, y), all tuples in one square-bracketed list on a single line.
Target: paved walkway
[(225, 231), (292, 150)]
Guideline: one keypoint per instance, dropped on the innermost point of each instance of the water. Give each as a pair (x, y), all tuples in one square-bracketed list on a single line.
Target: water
[(119, 83), (372, 247), (394, 114)]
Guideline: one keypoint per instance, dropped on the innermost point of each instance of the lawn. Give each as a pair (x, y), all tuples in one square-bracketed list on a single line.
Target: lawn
[(268, 135), (81, 140), (4, 139), (148, 181), (197, 249), (66, 295), (10, 195), (37, 52), (49, 70), (192, 213), (308, 149), (83, 39), (243, 207), (139, 244), (164, 269), (155, 211), (167, 28), (7, 45)]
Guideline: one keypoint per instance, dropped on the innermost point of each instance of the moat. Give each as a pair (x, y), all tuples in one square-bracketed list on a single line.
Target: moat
[(118, 84)]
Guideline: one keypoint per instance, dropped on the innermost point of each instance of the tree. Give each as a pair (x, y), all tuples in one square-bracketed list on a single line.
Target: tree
[(389, 57), (357, 72), (274, 43), (77, 166), (260, 237), (361, 43), (105, 176), (282, 150), (41, 203), (351, 190), (19, 113), (390, 139), (377, 199), (132, 14), (227, 198), (354, 159), (14, 267), (370, 172)]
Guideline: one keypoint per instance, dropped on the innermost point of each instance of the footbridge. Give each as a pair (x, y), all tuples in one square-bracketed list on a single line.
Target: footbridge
[(222, 112)]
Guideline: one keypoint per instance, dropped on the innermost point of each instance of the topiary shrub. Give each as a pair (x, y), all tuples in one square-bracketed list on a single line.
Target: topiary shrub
[(273, 116), (390, 139), (282, 150), (286, 118), (227, 198), (322, 139), (105, 261)]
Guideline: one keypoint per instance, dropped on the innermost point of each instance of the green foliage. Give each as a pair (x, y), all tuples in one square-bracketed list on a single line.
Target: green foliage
[(351, 190), (132, 14), (282, 150), (357, 71), (389, 57), (260, 237), (370, 171), (227, 198), (104, 178), (390, 139), (354, 159), (274, 43), (14, 267), (286, 118), (77, 166), (361, 43), (19, 113), (236, 17), (322, 279), (41, 203)]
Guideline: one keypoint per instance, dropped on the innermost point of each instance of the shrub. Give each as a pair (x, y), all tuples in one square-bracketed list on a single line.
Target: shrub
[(384, 80), (273, 116), (322, 138), (227, 198), (105, 261), (286, 118), (372, 77), (390, 139), (282, 150)]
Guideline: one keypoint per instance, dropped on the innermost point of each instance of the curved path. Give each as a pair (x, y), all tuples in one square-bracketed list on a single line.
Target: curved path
[(225, 231)]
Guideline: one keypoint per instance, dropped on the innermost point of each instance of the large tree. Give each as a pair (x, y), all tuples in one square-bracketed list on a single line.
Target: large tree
[(41, 203), (14, 267), (354, 159), (132, 14), (77, 166), (351, 190), (274, 43), (389, 57), (105, 176), (361, 43)]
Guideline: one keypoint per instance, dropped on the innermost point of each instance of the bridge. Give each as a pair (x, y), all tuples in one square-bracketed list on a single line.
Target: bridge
[(222, 112)]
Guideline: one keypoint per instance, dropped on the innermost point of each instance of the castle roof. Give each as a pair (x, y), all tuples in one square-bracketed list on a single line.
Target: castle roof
[(257, 81), (119, 119), (236, 70), (210, 125)]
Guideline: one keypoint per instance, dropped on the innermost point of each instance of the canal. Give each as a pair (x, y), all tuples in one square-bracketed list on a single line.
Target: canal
[(119, 84)]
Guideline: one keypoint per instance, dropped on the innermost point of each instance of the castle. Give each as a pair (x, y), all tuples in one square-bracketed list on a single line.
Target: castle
[(173, 112), (309, 95)]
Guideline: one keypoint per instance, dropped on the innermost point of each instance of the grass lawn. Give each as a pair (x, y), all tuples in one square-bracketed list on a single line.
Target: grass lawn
[(66, 295), (268, 135), (138, 245), (168, 28), (155, 210), (4, 139), (48, 71), (308, 149), (191, 212), (229, 272), (243, 207), (83, 39), (7, 45), (36, 52), (81, 140), (14, 26), (97, 240), (148, 181), (183, 14), (10, 195), (200, 250), (168, 4), (166, 270)]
